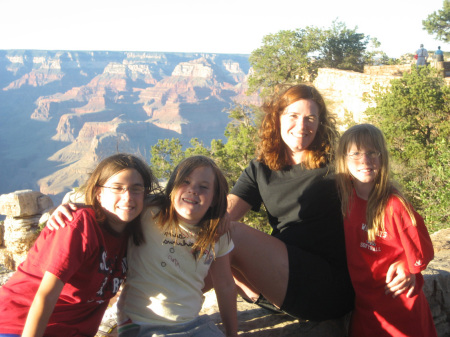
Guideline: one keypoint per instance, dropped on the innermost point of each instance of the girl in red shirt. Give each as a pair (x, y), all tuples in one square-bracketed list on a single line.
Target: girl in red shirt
[(65, 284), (381, 230)]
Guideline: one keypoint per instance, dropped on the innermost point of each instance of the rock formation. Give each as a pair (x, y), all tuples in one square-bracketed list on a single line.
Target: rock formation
[(23, 210), (75, 105)]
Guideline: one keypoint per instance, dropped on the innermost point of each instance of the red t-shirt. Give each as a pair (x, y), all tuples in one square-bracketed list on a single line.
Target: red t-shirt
[(375, 313), (88, 258)]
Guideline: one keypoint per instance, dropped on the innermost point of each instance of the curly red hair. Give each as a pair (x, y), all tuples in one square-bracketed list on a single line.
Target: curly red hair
[(273, 152)]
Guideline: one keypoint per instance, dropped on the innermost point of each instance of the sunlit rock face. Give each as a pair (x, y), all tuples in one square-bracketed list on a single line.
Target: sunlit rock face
[(61, 110)]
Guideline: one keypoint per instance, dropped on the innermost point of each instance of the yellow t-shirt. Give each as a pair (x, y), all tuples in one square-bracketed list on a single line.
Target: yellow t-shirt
[(164, 280)]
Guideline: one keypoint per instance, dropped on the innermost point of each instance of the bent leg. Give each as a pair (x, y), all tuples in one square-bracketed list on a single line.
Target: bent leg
[(262, 263)]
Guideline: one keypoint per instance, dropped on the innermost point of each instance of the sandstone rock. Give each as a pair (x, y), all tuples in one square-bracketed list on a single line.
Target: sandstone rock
[(5, 274), (437, 282), (10, 261), (24, 203), (20, 234), (254, 321), (23, 210), (196, 68)]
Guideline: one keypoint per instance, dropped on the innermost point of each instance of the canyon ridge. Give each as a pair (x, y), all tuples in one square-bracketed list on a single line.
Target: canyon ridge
[(62, 110)]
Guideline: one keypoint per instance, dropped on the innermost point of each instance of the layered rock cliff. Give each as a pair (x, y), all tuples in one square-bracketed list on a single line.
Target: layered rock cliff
[(59, 110)]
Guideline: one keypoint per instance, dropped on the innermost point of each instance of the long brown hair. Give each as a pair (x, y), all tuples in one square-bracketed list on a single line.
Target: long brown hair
[(105, 170), (369, 137), (273, 152), (167, 217)]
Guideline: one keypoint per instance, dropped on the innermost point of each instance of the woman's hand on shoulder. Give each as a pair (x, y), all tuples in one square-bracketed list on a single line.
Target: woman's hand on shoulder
[(60, 215), (399, 280)]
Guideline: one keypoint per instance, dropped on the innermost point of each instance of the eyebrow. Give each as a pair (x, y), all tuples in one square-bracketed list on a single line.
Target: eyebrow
[(122, 184)]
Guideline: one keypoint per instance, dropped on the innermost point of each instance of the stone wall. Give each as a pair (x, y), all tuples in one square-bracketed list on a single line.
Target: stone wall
[(345, 91), (394, 70)]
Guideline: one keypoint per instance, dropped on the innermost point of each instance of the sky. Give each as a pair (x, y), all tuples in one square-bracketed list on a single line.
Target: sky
[(209, 26)]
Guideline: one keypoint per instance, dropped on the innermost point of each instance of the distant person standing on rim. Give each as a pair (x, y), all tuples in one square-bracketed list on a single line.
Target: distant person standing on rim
[(422, 56), (439, 55)]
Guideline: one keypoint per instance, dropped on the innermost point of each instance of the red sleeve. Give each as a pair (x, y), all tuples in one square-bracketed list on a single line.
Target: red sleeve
[(415, 240), (63, 251)]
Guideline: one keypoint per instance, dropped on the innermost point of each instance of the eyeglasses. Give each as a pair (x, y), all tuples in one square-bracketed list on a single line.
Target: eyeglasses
[(359, 155), (122, 190)]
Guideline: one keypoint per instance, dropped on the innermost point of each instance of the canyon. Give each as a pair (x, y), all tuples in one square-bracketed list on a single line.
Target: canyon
[(60, 111)]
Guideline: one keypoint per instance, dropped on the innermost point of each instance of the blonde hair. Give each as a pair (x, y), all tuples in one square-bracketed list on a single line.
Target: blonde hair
[(167, 217), (369, 137), (273, 152)]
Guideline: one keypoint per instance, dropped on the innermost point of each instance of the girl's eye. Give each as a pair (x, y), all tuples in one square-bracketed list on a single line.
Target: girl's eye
[(116, 189), (204, 187)]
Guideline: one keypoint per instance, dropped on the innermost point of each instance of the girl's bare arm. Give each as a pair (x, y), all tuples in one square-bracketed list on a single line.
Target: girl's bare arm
[(226, 293), (43, 305)]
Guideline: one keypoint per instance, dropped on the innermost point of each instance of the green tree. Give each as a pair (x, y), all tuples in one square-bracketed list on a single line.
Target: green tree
[(438, 23), (293, 56), (343, 48), (284, 57), (197, 148), (414, 116), (241, 134), (166, 154), (239, 150)]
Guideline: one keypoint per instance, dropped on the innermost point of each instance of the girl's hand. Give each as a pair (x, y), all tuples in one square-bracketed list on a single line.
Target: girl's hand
[(60, 215), (399, 279)]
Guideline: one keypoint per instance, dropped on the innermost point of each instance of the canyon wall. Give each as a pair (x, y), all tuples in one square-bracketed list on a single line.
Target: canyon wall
[(62, 110)]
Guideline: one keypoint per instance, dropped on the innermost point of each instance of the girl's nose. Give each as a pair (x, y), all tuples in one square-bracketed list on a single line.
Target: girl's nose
[(127, 194), (300, 123), (194, 189)]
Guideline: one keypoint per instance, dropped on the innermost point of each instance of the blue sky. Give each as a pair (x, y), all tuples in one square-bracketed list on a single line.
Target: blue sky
[(211, 26)]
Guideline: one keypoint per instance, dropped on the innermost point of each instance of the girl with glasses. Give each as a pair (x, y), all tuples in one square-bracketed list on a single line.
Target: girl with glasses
[(64, 286), (163, 292), (381, 230)]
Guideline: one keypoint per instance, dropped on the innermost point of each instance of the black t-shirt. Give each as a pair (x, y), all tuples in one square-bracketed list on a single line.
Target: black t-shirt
[(303, 207)]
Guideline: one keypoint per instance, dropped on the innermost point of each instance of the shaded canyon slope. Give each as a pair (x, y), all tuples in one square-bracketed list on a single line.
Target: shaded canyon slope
[(60, 111)]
